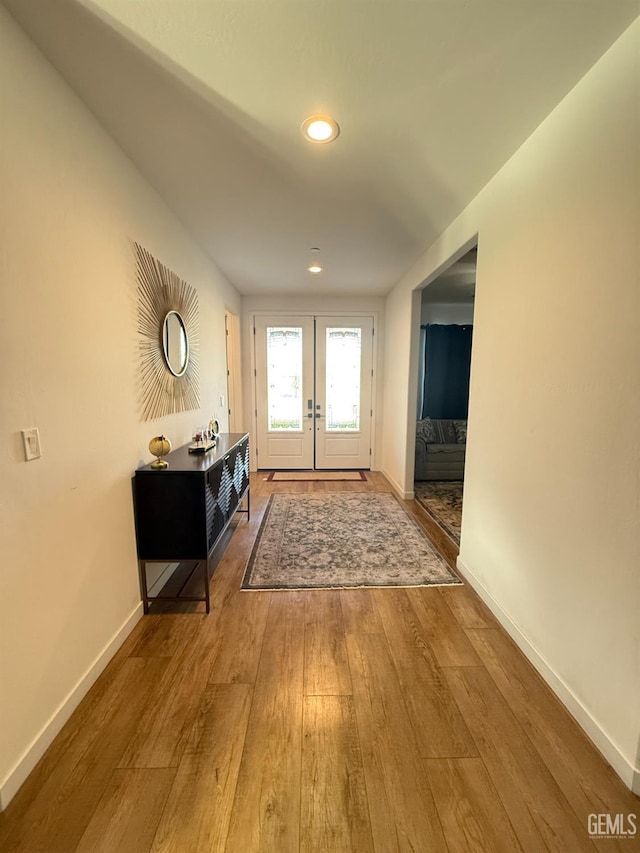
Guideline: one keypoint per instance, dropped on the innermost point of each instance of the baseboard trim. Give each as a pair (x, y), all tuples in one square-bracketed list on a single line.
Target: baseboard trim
[(629, 774), (17, 775), (406, 496)]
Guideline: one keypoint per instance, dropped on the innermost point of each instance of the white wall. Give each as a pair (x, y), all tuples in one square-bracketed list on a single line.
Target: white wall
[(70, 206), (551, 521), (447, 313), (314, 305)]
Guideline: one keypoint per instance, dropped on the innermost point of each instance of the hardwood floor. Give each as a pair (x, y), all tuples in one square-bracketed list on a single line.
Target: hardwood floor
[(323, 720)]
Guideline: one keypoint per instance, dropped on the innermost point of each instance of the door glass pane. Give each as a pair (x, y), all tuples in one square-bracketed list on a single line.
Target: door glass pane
[(284, 378), (343, 380)]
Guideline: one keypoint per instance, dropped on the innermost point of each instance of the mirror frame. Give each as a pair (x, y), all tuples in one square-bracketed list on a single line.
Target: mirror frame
[(165, 342), (161, 293)]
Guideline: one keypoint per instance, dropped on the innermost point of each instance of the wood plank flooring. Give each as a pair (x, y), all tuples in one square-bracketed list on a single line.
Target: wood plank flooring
[(358, 720)]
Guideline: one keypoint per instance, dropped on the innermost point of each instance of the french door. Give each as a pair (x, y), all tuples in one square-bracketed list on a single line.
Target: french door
[(314, 380)]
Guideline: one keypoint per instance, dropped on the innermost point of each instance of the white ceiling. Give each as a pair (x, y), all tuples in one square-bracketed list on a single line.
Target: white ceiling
[(432, 96)]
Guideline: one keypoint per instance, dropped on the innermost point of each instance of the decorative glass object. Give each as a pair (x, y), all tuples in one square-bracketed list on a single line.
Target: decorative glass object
[(202, 440), (284, 378), (343, 392)]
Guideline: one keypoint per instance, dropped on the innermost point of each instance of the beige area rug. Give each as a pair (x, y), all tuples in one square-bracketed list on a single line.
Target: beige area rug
[(316, 476), (341, 540)]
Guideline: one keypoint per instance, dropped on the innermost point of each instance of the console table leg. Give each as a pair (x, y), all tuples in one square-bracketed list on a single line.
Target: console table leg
[(205, 563), (143, 582)]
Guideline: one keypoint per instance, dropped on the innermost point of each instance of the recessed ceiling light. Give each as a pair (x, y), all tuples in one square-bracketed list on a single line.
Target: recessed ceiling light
[(320, 129), (315, 266)]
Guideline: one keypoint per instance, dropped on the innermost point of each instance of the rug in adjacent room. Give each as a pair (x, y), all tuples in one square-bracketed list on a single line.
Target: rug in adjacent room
[(341, 540), (443, 501)]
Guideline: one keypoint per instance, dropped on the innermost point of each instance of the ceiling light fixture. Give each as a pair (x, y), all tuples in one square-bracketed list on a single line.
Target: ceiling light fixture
[(320, 129), (315, 266)]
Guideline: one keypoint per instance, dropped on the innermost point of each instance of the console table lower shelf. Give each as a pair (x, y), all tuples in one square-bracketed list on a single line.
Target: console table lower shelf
[(182, 511)]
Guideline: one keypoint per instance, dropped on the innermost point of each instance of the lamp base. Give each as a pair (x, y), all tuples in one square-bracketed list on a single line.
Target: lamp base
[(159, 464)]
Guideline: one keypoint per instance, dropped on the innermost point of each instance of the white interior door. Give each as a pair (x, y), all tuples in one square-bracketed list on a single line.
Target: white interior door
[(314, 378), (284, 354)]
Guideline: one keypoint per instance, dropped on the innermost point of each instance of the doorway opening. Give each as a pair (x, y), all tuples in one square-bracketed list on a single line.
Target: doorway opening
[(314, 391), (446, 334)]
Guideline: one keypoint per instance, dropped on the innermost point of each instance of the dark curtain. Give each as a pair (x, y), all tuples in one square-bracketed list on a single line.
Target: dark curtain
[(447, 362)]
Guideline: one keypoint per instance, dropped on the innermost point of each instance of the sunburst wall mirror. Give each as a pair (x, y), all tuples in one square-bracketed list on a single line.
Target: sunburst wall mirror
[(169, 339)]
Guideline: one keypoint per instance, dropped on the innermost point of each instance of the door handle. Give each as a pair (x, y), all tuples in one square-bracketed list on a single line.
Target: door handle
[(318, 415)]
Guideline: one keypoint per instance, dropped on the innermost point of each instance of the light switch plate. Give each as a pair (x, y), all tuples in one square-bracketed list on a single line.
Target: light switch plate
[(31, 441)]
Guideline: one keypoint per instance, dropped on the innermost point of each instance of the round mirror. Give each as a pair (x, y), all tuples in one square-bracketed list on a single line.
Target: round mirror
[(175, 343)]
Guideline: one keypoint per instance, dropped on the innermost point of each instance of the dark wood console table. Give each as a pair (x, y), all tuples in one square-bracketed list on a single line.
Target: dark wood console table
[(182, 511)]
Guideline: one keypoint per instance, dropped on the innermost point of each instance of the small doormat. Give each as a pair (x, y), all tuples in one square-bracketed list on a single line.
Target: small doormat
[(315, 476), (341, 540), (443, 501)]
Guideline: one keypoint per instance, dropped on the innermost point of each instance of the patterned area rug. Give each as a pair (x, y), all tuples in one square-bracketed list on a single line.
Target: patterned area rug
[(339, 540), (443, 501)]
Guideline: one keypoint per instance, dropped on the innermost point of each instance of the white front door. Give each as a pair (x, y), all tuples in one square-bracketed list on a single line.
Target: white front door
[(314, 381), (284, 391), (344, 358)]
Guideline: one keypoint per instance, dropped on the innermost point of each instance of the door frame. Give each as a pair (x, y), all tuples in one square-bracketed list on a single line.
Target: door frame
[(234, 375), (416, 320), (377, 368)]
